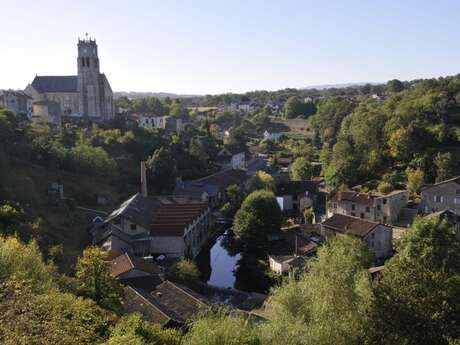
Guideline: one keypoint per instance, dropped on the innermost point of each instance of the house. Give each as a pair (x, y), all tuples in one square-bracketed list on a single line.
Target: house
[(149, 121), (231, 157), (441, 196), (290, 253), (146, 225), (275, 130), (377, 207), (376, 236), (127, 266), (211, 187), (168, 304), (294, 196), (16, 101)]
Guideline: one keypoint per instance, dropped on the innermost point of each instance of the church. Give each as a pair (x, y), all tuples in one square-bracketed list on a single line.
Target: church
[(86, 94)]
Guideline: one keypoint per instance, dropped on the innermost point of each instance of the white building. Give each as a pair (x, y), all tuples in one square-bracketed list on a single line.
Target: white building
[(231, 158)]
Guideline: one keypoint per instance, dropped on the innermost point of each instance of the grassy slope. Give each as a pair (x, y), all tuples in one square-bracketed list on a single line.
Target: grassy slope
[(29, 184)]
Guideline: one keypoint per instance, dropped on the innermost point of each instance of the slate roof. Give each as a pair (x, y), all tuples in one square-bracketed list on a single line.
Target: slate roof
[(297, 187), (349, 225), (454, 180), (127, 262), (367, 199), (226, 178), (55, 83), (169, 303)]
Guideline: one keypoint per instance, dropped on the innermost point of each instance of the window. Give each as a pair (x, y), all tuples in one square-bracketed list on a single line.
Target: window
[(87, 62), (353, 207), (133, 227), (384, 201), (438, 198), (457, 200), (368, 209), (361, 215), (384, 219), (379, 207), (457, 192)]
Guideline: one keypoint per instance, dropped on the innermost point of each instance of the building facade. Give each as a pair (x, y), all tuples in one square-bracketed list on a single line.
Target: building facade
[(441, 196), (377, 237), (86, 94), (16, 101), (383, 208)]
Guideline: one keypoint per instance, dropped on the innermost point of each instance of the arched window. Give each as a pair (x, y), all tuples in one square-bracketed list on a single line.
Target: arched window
[(82, 62), (87, 62)]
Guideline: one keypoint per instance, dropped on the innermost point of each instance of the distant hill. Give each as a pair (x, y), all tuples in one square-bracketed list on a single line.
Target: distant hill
[(131, 94), (336, 86)]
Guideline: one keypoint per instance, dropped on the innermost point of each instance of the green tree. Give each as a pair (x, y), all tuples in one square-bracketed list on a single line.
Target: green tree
[(132, 330), (385, 187), (301, 169), (417, 296), (27, 317), (443, 163), (234, 197), (331, 303), (185, 271), (262, 180), (96, 281), (161, 171), (308, 215), (415, 180), (395, 85), (292, 107), (258, 217), (220, 328)]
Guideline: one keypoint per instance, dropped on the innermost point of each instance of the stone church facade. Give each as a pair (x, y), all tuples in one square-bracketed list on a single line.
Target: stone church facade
[(86, 94)]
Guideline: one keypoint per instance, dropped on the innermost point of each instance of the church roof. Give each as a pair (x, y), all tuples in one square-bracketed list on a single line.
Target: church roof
[(67, 83)]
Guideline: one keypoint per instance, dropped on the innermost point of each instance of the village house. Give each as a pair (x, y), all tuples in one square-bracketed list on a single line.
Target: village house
[(147, 226), (275, 130), (169, 123), (290, 253), (211, 188), (294, 196), (377, 207), (231, 157), (16, 101), (441, 196), (378, 237)]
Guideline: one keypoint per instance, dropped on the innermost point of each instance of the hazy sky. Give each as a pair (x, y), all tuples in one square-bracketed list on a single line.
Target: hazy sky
[(200, 47)]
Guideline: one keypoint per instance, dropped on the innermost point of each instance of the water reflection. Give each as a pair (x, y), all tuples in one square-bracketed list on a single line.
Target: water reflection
[(219, 262)]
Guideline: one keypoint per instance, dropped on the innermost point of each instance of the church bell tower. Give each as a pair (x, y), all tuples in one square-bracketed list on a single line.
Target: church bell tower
[(88, 78)]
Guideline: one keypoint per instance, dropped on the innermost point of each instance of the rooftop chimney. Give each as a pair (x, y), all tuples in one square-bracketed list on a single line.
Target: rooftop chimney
[(143, 180)]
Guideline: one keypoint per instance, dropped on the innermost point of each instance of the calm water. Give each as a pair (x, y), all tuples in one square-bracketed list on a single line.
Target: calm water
[(217, 265)]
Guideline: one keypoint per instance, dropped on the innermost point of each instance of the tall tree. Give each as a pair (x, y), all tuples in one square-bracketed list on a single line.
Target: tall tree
[(301, 169), (161, 171), (443, 163), (331, 303), (258, 217), (96, 281)]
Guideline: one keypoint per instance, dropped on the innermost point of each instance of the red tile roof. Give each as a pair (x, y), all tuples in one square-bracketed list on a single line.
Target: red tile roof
[(126, 262)]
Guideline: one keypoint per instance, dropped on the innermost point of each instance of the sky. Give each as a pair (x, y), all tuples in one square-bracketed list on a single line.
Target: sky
[(210, 47)]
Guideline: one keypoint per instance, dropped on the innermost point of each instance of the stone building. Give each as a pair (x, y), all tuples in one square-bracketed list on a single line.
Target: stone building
[(444, 195), (16, 101), (376, 236), (377, 207), (86, 94)]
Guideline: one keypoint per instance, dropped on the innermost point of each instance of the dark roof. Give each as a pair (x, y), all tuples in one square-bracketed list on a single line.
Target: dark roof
[(179, 299), (168, 302), (196, 189), (359, 198), (454, 180), (55, 83), (226, 178), (137, 300), (297, 187), (257, 164), (349, 225), (127, 262)]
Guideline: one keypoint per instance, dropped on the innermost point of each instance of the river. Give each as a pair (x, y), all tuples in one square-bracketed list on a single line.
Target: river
[(217, 264)]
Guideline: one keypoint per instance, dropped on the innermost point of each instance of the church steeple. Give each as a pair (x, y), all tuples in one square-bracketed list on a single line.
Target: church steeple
[(88, 59)]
